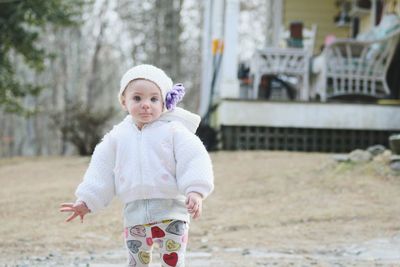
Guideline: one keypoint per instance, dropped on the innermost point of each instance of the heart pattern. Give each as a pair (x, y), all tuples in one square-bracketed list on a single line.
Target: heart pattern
[(149, 241), (171, 259), (170, 235), (133, 245), (156, 232), (138, 230), (144, 257), (176, 228), (171, 245)]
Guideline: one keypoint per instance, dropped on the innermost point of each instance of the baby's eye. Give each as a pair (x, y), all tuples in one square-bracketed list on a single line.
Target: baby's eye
[(136, 98), (154, 99)]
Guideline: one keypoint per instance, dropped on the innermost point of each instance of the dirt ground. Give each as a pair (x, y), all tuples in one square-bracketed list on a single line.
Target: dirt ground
[(268, 209)]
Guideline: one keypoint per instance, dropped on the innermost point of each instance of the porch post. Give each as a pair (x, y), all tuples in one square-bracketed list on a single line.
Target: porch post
[(229, 81), (206, 59), (212, 31)]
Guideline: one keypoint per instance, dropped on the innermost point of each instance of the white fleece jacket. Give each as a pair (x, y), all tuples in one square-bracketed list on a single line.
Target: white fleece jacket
[(163, 160)]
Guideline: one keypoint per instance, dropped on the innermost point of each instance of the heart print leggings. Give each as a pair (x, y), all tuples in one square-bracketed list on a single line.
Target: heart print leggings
[(170, 235)]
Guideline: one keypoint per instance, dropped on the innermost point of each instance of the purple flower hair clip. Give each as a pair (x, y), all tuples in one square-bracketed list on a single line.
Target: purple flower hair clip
[(174, 96)]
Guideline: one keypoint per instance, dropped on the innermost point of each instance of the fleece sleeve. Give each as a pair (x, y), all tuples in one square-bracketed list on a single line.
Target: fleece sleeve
[(193, 164), (97, 188)]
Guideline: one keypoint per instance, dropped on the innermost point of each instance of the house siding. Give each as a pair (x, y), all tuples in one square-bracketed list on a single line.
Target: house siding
[(317, 12)]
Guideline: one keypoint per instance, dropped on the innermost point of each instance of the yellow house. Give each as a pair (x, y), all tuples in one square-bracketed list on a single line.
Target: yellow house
[(308, 123), (246, 114), (323, 13)]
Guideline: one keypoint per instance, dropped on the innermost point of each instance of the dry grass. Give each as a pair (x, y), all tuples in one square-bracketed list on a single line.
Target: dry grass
[(277, 200)]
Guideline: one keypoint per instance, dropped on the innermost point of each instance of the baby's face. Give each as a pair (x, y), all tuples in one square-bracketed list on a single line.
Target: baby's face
[(142, 99)]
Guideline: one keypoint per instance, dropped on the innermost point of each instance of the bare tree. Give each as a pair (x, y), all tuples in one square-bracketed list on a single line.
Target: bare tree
[(94, 66), (89, 60)]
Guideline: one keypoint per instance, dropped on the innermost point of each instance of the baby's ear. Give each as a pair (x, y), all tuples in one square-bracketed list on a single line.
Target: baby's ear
[(123, 103)]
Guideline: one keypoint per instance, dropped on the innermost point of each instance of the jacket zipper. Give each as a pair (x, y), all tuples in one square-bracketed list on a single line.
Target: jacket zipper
[(140, 157), (146, 204)]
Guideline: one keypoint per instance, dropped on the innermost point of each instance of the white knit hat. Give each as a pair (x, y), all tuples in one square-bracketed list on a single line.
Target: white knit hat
[(148, 72)]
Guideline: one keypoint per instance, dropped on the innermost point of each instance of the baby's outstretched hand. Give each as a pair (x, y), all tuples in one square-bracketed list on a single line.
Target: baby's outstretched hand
[(194, 204), (79, 209)]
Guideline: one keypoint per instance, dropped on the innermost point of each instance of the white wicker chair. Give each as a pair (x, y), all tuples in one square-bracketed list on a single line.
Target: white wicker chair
[(287, 61), (348, 67)]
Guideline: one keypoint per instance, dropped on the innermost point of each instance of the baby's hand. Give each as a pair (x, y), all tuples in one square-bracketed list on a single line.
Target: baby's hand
[(79, 209), (194, 203)]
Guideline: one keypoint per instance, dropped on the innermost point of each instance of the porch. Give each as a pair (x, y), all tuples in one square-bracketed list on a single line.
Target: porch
[(282, 100), (304, 126)]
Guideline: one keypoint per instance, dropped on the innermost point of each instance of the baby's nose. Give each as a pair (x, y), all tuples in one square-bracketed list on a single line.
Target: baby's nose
[(146, 105)]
